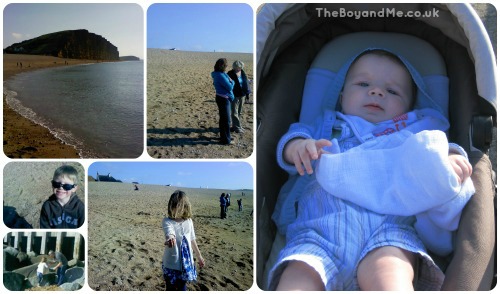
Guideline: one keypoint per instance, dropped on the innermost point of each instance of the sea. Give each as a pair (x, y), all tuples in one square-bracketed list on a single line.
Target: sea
[(97, 108)]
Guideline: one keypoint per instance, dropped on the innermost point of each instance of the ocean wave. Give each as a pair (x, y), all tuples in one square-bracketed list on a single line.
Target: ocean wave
[(65, 136)]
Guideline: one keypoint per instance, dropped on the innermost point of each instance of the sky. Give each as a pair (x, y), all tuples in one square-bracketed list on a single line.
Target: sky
[(207, 27), (120, 24), (213, 175)]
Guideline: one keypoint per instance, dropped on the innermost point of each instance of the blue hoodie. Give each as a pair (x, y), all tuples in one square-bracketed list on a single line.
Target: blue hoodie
[(223, 84)]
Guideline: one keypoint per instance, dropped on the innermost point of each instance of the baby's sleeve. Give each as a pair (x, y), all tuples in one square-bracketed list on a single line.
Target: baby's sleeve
[(457, 149), (297, 130)]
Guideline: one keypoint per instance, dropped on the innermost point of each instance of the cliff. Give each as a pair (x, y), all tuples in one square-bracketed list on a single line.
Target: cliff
[(77, 44)]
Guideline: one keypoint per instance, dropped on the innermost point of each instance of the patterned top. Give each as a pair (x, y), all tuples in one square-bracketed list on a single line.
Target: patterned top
[(172, 257)]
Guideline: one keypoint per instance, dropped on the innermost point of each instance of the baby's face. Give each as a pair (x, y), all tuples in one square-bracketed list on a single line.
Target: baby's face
[(377, 89)]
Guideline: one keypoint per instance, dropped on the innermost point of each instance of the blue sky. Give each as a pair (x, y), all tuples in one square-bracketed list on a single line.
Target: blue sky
[(120, 24), (221, 175), (201, 27)]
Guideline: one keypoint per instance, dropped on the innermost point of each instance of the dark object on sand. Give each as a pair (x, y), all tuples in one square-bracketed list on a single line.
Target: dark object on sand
[(13, 220)]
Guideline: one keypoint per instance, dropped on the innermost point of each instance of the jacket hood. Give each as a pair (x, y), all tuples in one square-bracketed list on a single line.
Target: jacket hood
[(216, 74), (422, 99)]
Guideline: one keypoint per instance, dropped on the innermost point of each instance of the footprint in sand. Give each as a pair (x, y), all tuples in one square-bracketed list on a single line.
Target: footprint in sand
[(229, 281)]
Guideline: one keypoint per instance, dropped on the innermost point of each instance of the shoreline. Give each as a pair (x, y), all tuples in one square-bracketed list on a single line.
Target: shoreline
[(22, 138)]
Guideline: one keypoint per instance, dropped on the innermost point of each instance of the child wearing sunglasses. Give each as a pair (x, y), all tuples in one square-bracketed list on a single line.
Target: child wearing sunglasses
[(63, 209)]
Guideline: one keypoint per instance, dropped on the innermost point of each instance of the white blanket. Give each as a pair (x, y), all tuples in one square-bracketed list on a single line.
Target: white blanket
[(402, 174)]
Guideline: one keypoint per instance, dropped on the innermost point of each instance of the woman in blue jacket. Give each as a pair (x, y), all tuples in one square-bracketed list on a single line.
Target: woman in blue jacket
[(223, 96)]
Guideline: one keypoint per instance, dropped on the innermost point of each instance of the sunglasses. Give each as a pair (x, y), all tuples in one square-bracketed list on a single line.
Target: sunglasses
[(66, 187)]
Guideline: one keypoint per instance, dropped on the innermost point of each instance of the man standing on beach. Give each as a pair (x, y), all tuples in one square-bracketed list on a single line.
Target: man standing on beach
[(223, 203), (240, 205), (61, 267)]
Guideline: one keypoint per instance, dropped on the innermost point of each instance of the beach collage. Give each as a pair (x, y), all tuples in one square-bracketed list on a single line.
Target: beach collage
[(157, 146)]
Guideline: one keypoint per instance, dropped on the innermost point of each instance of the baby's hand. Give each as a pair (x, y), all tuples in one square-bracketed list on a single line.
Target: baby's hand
[(302, 151), (461, 166)]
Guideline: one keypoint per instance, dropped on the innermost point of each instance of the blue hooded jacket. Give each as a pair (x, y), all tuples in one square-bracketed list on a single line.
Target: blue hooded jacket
[(223, 84)]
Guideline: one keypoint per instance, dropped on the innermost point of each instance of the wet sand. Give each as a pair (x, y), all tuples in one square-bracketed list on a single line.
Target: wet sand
[(23, 138), (126, 240)]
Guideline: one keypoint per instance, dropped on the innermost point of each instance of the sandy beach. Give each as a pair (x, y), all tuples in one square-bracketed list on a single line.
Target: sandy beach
[(26, 185), (126, 240), (21, 137), (182, 116)]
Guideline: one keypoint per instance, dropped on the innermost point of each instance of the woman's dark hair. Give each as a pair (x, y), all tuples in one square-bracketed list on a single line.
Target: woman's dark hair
[(220, 65)]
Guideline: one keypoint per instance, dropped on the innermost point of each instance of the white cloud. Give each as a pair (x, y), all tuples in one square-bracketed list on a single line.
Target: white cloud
[(17, 36), (197, 47), (181, 173)]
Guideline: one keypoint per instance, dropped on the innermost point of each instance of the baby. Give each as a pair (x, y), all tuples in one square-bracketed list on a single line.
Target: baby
[(336, 241)]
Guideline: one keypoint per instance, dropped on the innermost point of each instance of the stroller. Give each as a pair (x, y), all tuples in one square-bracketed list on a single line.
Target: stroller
[(289, 37)]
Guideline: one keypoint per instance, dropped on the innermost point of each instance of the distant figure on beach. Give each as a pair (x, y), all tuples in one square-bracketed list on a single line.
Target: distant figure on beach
[(61, 266), (136, 188), (240, 205), (228, 200), (223, 97), (41, 270), (178, 262), (63, 209), (240, 90), (223, 203)]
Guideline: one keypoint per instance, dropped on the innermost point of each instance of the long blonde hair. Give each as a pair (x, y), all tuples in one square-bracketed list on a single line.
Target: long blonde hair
[(179, 206)]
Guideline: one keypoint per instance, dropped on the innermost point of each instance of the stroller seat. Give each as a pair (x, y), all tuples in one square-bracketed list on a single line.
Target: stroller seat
[(300, 76), (322, 84)]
